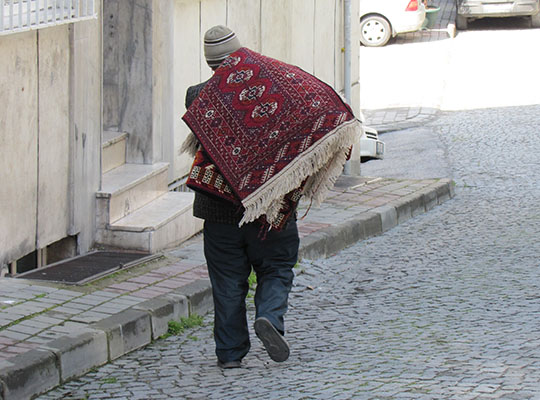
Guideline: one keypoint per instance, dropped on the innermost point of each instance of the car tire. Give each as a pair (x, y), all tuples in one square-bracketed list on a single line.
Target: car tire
[(461, 22), (375, 31), (535, 21)]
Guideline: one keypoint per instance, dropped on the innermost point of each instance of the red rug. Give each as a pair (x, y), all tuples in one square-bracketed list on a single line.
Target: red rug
[(267, 129)]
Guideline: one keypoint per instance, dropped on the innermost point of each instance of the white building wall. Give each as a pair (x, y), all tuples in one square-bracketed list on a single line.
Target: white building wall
[(19, 145), (85, 128), (53, 135), (50, 137)]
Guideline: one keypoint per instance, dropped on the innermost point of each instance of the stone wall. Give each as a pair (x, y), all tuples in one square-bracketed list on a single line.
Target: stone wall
[(50, 137)]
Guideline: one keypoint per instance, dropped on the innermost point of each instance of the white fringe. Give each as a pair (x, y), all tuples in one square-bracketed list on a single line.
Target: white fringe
[(190, 145), (322, 163)]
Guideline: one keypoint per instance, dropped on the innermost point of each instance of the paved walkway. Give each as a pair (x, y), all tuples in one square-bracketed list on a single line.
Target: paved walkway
[(51, 333)]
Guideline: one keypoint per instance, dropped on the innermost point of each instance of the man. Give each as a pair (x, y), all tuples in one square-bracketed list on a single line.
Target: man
[(232, 251)]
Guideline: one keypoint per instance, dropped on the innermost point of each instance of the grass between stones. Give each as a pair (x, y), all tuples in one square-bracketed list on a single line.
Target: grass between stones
[(179, 327)]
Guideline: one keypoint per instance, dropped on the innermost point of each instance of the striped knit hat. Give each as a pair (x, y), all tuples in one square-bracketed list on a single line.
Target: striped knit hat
[(219, 42)]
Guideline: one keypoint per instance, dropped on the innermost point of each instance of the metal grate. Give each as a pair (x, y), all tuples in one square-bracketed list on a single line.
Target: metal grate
[(83, 269), (24, 15)]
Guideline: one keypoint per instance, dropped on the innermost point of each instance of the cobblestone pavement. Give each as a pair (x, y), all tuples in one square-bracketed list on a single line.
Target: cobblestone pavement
[(444, 306)]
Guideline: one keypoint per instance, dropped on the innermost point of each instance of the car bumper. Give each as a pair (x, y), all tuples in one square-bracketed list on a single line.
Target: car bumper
[(370, 148), (503, 9), (412, 23)]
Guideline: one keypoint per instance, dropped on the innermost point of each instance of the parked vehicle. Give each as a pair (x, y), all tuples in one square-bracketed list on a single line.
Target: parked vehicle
[(370, 145), (381, 20), (472, 9)]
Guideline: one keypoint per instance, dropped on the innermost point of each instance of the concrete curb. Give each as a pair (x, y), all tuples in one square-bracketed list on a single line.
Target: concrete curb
[(71, 356), (333, 239)]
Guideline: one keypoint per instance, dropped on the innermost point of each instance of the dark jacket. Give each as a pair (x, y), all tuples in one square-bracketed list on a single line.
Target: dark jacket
[(209, 208)]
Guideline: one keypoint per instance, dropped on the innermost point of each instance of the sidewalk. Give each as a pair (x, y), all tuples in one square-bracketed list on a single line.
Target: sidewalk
[(50, 333)]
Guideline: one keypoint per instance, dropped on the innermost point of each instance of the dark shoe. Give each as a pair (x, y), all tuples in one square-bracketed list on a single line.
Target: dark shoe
[(229, 364), (274, 343)]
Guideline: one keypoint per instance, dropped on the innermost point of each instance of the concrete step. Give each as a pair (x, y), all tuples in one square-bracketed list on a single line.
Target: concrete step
[(129, 187), (113, 150), (163, 223)]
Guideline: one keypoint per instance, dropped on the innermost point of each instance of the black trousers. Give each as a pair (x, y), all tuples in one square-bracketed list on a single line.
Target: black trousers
[(230, 254)]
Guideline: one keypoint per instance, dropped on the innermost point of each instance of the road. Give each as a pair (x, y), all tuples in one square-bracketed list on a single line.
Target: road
[(444, 306)]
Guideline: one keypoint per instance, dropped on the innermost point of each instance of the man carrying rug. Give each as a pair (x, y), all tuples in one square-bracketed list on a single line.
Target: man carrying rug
[(265, 133)]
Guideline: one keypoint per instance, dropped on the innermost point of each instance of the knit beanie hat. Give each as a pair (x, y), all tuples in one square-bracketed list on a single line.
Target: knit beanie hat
[(219, 42)]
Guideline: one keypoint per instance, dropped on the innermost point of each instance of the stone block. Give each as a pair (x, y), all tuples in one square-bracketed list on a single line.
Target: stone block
[(162, 310), (403, 210), (79, 352), (199, 295), (443, 191), (388, 215), (311, 247), (180, 304), (29, 374), (429, 198), (417, 204), (372, 224), (335, 238), (126, 331), (451, 188), (339, 237)]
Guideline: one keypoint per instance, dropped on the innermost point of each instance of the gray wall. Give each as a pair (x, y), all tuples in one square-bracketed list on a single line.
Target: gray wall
[(137, 66), (50, 136)]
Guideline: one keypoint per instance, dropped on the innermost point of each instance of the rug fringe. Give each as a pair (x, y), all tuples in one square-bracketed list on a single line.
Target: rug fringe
[(190, 145), (323, 164)]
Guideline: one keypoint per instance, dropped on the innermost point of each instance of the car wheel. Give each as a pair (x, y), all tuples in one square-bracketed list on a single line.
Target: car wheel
[(375, 31), (461, 22), (535, 21)]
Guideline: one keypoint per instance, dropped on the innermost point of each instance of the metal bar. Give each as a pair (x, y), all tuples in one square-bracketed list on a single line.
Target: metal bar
[(20, 14), (347, 64), (11, 14), (2, 17), (347, 61), (54, 10), (77, 8), (28, 13)]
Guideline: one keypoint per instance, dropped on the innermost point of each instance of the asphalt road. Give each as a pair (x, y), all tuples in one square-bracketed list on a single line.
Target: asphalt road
[(444, 306)]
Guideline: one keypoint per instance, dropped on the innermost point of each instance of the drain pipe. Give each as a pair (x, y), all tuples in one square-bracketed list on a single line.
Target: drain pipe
[(347, 60), (347, 64)]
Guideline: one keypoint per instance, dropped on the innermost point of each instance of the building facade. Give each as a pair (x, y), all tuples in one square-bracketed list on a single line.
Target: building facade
[(90, 123)]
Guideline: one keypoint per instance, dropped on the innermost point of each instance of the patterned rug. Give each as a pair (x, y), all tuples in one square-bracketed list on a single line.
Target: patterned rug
[(269, 132)]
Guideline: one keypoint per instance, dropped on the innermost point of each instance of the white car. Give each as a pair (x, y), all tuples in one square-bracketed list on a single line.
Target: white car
[(381, 20), (370, 145)]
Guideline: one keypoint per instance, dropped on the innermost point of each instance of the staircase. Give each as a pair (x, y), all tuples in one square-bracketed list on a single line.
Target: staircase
[(135, 210)]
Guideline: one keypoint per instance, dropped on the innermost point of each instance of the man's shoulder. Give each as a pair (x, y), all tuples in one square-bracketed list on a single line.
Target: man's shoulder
[(193, 91), (197, 87)]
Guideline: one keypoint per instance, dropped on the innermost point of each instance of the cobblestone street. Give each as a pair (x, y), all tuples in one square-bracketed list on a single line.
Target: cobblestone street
[(444, 306)]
